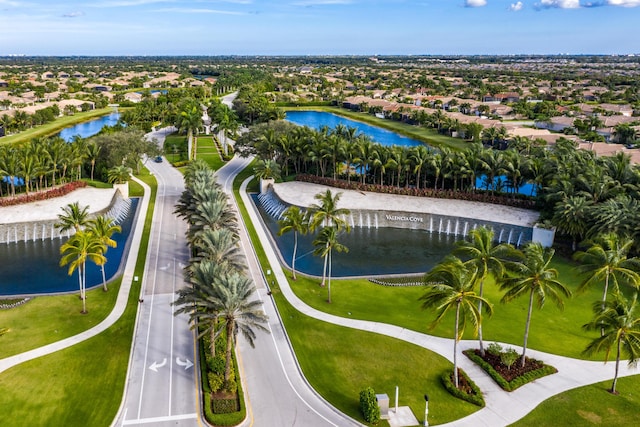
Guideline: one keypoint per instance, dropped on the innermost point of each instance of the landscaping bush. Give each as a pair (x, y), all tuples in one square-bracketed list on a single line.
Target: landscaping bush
[(537, 369), (369, 406), (52, 193), (224, 406), (494, 348), (468, 392)]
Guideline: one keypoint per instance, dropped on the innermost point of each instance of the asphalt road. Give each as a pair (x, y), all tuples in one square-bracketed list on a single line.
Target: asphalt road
[(162, 389)]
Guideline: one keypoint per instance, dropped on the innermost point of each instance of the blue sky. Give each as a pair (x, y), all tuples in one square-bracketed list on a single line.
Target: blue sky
[(317, 27)]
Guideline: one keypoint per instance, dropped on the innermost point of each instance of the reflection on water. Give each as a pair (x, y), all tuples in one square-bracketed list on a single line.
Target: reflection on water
[(33, 267), (372, 251), (90, 128)]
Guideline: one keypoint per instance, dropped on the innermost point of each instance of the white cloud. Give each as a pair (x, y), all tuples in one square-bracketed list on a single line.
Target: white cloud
[(516, 6), (196, 11), (73, 14), (475, 3), (624, 3), (560, 4)]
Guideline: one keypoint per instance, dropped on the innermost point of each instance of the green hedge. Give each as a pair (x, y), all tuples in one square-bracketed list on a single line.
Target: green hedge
[(369, 406), (516, 382), (476, 398), (231, 419), (224, 406)]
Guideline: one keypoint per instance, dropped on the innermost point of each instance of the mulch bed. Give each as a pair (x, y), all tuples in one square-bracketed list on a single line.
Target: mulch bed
[(516, 369)]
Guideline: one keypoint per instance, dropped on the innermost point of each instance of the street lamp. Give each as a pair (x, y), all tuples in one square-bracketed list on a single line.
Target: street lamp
[(426, 410)]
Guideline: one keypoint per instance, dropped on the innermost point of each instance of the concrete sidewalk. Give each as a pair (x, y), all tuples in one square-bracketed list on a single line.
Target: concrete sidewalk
[(502, 408)]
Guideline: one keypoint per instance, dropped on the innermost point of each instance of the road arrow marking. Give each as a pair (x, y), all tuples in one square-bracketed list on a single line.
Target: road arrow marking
[(186, 364), (154, 366)]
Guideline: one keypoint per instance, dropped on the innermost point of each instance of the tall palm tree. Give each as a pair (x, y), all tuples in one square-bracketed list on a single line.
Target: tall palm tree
[(326, 243), (73, 217), (620, 323), (571, 216), (450, 286), (189, 121), (219, 246), (81, 247), (93, 151), (607, 260), (481, 252), (296, 221), (535, 277), (327, 213), (103, 228), (119, 174)]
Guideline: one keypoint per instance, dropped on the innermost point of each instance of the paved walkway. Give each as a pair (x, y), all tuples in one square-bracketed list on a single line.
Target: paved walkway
[(123, 293), (502, 408)]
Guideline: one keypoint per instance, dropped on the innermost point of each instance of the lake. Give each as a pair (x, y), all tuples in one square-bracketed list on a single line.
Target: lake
[(90, 128), (318, 119)]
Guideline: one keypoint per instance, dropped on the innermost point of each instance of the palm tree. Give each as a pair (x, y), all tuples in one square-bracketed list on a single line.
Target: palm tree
[(607, 260), (488, 258), (81, 247), (620, 326), (189, 121), (293, 219), (119, 174), (327, 212), (219, 246), (73, 217), (103, 228), (237, 311), (451, 287), (571, 216), (535, 277), (93, 151), (326, 243), (267, 169)]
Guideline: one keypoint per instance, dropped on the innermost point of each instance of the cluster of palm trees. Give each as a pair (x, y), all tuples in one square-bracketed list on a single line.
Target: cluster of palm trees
[(456, 284), (219, 298), (21, 120), (580, 194), (90, 242), (326, 218), (45, 162)]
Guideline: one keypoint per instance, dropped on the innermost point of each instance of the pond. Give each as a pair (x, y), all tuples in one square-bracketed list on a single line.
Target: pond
[(90, 128), (32, 267), (372, 251), (318, 119)]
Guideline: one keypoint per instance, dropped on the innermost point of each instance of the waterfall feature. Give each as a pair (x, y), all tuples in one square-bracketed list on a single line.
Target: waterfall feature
[(271, 204)]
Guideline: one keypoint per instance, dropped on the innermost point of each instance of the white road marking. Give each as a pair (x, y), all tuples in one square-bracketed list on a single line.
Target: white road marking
[(160, 419), (155, 365), (187, 363)]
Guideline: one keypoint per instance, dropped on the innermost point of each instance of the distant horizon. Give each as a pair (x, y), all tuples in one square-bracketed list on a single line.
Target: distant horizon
[(310, 55), (317, 27)]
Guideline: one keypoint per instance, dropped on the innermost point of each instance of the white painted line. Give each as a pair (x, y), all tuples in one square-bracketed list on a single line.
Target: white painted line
[(160, 419)]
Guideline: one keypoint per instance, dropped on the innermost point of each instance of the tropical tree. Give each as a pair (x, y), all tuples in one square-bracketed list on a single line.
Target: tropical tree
[(619, 324), (189, 120), (119, 174), (73, 217), (481, 252), (93, 151), (450, 286), (296, 221), (81, 247), (326, 243), (219, 246), (607, 260), (267, 169), (534, 276), (571, 217), (103, 228)]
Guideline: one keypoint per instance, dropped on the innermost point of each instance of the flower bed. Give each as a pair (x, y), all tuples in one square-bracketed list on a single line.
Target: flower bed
[(58, 191), (513, 377), (519, 201), (467, 389)]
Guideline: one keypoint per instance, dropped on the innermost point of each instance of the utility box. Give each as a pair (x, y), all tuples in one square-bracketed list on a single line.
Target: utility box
[(383, 403)]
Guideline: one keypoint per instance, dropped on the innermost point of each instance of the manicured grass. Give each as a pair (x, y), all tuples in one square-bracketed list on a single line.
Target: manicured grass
[(430, 136), (81, 385), (180, 143), (401, 306), (55, 126), (589, 405), (208, 152), (47, 319)]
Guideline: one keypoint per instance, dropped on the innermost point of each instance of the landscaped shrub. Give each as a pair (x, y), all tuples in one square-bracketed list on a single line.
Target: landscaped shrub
[(369, 406), (224, 406), (470, 391), (515, 383), (508, 357), (52, 193), (494, 348)]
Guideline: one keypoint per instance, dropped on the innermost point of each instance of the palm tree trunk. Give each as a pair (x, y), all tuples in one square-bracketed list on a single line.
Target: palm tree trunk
[(293, 258), (604, 298), (329, 281), (455, 348), (324, 269), (480, 292), (615, 377), (104, 280), (227, 366), (526, 328), (83, 292)]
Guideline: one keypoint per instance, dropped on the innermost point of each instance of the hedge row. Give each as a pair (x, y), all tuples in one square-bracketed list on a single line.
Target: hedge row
[(475, 397), (516, 382), (519, 201), (39, 196)]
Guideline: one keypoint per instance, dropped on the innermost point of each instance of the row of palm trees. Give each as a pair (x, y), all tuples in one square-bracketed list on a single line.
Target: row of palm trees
[(91, 239), (456, 284), (580, 194), (219, 297), (45, 162)]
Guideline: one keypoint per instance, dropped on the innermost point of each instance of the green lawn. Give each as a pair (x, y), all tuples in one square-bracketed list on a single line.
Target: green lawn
[(208, 152), (430, 136), (55, 126), (591, 405), (400, 306), (81, 385)]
